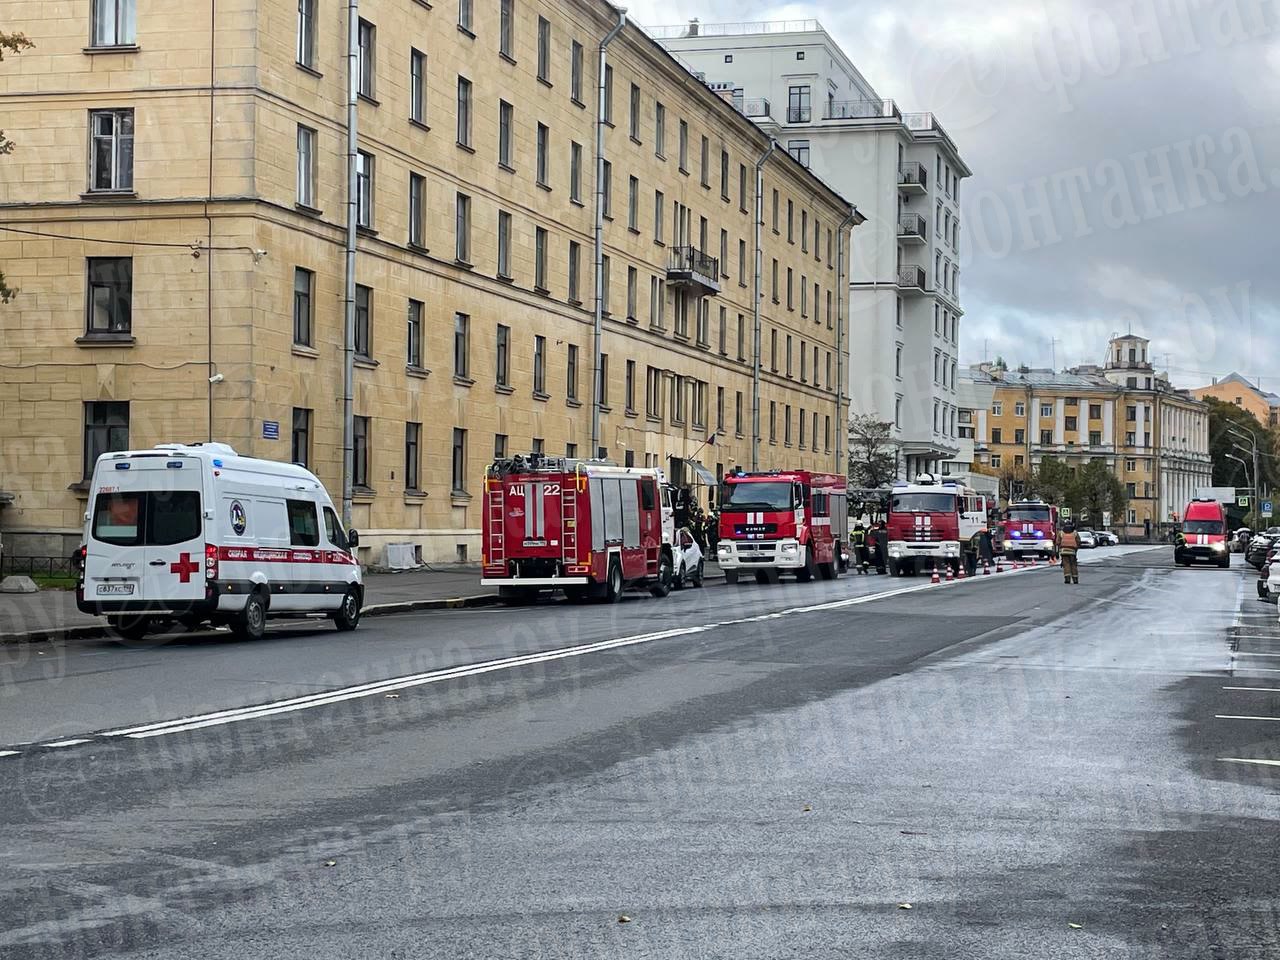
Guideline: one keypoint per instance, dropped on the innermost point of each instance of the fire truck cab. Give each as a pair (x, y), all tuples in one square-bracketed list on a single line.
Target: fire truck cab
[(783, 522), (587, 527), (934, 524), (1030, 528)]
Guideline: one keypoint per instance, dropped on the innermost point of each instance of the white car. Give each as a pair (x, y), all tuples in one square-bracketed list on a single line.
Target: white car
[(1087, 540), (689, 561), (1272, 582)]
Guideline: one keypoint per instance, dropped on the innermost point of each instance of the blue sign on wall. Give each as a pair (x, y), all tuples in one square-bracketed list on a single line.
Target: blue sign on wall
[(270, 429)]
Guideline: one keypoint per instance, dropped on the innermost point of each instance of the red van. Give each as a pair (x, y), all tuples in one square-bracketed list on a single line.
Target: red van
[(1204, 535)]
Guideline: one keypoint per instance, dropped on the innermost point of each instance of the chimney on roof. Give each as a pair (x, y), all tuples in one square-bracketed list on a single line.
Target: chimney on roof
[(693, 28)]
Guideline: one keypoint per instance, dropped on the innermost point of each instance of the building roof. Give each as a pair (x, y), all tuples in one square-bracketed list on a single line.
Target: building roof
[(1042, 377), (1233, 377)]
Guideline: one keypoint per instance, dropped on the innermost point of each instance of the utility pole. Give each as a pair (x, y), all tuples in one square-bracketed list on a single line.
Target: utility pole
[(1251, 449), (349, 294)]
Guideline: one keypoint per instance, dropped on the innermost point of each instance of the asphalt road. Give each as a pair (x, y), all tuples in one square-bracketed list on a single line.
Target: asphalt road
[(1037, 770)]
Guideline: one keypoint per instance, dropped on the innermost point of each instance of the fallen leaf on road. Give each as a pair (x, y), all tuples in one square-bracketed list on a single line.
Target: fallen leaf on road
[(624, 919), (393, 696), (1076, 926), (904, 906), (331, 863), (806, 809), (913, 833)]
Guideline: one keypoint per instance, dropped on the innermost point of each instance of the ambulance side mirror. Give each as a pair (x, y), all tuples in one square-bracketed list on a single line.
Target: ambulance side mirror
[(353, 539)]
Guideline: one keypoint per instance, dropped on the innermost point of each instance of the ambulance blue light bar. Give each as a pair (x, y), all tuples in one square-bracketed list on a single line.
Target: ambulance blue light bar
[(124, 465), (174, 464)]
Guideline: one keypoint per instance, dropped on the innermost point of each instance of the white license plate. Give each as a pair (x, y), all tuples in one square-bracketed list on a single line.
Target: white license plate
[(115, 589)]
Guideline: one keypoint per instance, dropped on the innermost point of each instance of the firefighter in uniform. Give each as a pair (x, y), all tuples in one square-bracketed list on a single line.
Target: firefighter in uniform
[(858, 540), (1068, 550)]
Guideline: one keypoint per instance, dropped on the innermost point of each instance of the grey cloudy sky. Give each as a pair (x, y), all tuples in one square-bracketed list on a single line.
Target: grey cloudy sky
[(1126, 160)]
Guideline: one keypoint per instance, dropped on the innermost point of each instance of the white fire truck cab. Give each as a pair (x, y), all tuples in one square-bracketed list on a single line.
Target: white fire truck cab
[(587, 527), (934, 524)]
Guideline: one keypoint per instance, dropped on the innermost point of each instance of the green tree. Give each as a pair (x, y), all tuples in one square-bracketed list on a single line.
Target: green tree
[(1097, 490), (1053, 481), (10, 43), (873, 458), (1223, 417)]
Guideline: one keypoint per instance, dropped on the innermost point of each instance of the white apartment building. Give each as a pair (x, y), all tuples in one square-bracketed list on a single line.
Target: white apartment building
[(903, 172)]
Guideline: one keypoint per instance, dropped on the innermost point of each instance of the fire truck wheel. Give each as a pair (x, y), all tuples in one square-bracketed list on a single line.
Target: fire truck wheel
[(660, 587), (806, 573), (731, 577), (613, 584)]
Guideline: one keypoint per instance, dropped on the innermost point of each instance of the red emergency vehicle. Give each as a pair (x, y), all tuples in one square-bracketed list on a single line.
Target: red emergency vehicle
[(932, 525), (787, 521), (588, 527), (1030, 529), (1204, 535)]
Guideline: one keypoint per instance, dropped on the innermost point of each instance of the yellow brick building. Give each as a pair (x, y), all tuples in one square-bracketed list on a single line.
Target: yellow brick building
[(1262, 405), (174, 217), (1155, 438)]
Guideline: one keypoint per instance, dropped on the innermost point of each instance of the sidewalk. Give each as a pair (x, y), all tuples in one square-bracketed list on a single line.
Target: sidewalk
[(52, 614)]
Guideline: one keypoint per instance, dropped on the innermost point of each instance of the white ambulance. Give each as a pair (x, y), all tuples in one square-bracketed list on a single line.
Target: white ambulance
[(198, 534)]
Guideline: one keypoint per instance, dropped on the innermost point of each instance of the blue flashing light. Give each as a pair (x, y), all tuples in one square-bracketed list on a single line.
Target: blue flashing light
[(1039, 534), (1015, 534), (123, 465), (217, 462)]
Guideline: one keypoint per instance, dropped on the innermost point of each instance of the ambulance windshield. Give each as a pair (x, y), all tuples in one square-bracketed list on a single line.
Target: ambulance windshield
[(765, 495), (923, 503)]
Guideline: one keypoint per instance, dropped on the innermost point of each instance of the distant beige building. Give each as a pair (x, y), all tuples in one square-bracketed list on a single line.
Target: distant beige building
[(1262, 405), (174, 213)]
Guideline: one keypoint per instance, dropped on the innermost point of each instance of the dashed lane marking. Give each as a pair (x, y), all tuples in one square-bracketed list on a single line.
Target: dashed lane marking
[(68, 743), (1255, 689), (1261, 763), (9, 753), (1228, 716)]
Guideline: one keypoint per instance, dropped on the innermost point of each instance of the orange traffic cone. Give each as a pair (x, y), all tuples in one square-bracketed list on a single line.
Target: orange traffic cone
[(934, 578), (950, 574), (961, 574), (986, 569), (999, 565)]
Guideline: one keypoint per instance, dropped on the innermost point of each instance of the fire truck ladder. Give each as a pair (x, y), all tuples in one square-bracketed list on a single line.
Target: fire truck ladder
[(497, 521), (569, 523)]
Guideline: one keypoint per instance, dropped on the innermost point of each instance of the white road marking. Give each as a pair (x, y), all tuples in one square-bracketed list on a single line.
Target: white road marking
[(1255, 689), (66, 743), (1263, 763), (1227, 716), (9, 753), (258, 711), (1250, 653)]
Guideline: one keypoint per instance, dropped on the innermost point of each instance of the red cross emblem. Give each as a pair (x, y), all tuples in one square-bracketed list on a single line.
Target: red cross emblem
[(184, 568)]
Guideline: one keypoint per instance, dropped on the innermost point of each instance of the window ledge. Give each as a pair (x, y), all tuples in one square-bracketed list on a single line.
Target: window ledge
[(658, 243), (539, 395), (302, 350), (308, 210), (466, 146), (636, 140), (421, 125), (660, 156), (425, 5), (464, 264), (112, 48), (545, 82), (466, 31), (629, 413), (576, 202), (577, 102), (574, 301), (418, 248), (414, 496), (635, 230), (503, 166), (106, 340), (372, 101), (109, 195), (503, 278), (80, 489), (504, 388), (366, 232), (507, 57), (463, 381), (541, 291), (544, 186), (633, 321), (652, 419), (368, 363), (363, 494), (415, 371), (571, 402), (308, 70), (460, 498), (605, 408)]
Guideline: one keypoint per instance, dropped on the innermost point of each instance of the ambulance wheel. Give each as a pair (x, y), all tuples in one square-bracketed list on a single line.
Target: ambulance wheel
[(731, 577), (807, 572), (251, 622), (347, 616), (697, 575), (660, 587), (131, 629), (613, 583)]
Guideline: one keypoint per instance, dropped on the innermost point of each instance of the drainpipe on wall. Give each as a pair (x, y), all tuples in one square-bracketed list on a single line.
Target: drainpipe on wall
[(755, 309), (349, 294), (596, 372), (842, 425)]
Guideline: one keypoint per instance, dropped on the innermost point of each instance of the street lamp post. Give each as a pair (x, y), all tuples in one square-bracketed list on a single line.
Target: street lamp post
[(1253, 448)]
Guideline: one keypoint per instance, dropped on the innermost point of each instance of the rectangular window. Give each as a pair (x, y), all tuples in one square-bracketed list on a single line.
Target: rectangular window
[(800, 150), (602, 384), (417, 210), (364, 321), (702, 334), (575, 255), (464, 15), (543, 136), (499, 446), (462, 228), (742, 338), (606, 188), (604, 285), (106, 430), (505, 124), (737, 412), (366, 69), (540, 259), (571, 372), (458, 473), (575, 172), (804, 231), (539, 366), (300, 437), (306, 166), (724, 175), (724, 253), (412, 455), (544, 50), (111, 160), (706, 162), (504, 245), (1046, 437), (364, 189), (653, 393), (798, 104), (633, 205), (724, 333), (417, 86), (788, 369), (464, 112), (115, 25), (575, 73), (461, 346), (630, 386), (502, 368), (506, 28), (360, 452), (303, 284), (660, 130), (608, 95), (684, 146), (742, 187), (659, 204), (742, 263), (634, 120), (773, 421), (804, 418), (413, 335), (791, 231), (633, 281), (110, 295), (775, 211)]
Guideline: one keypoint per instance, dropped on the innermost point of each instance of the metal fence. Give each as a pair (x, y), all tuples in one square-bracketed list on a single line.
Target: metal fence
[(37, 567)]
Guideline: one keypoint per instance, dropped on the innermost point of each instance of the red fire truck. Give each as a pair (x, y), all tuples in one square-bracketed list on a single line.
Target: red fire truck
[(934, 524), (790, 521), (587, 527), (1030, 528)]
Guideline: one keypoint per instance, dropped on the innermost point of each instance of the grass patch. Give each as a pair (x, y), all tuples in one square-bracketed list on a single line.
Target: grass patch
[(55, 582)]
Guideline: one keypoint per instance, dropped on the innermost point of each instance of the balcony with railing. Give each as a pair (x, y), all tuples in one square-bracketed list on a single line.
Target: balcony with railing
[(911, 278), (913, 177), (693, 28), (694, 269), (862, 110), (927, 123), (799, 114), (758, 108), (913, 227)]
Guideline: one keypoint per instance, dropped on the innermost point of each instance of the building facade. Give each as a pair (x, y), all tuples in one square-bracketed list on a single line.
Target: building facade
[(903, 171), (174, 216), (1262, 405), (1153, 437)]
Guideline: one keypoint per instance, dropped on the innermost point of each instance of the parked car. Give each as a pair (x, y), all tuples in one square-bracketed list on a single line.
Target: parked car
[(1269, 589), (1239, 541), (1088, 539), (1259, 546), (1107, 539), (689, 561)]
